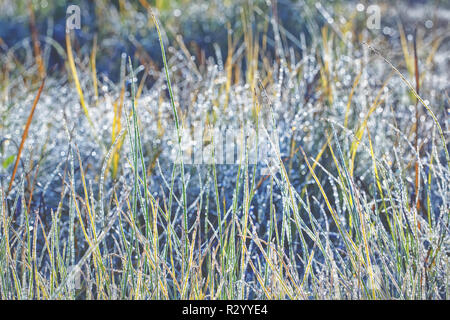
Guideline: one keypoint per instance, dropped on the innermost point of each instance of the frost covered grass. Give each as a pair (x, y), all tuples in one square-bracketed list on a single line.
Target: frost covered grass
[(96, 201)]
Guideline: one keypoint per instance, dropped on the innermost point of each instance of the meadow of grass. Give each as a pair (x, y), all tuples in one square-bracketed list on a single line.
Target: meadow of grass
[(97, 203)]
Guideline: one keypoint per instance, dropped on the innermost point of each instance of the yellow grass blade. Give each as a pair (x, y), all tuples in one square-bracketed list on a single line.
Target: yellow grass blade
[(94, 69), (75, 78), (407, 56), (360, 132)]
